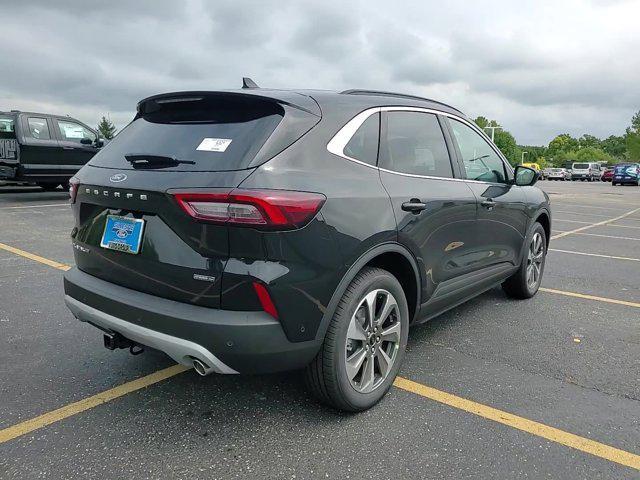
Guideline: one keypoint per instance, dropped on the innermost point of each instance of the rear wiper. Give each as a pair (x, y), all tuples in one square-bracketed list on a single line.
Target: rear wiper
[(144, 160)]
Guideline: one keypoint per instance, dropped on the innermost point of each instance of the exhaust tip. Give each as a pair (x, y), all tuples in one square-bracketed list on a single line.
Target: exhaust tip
[(199, 367)]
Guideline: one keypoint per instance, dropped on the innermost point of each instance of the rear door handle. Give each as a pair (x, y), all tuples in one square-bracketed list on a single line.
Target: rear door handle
[(488, 203), (414, 206), (68, 148)]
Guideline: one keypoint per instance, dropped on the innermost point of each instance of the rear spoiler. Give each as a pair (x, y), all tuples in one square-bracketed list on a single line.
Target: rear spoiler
[(282, 97)]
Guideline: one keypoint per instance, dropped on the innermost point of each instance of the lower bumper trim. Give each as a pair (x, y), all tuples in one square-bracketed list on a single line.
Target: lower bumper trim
[(181, 350)]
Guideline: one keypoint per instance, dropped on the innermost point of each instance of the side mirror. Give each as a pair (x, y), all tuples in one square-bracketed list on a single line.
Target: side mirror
[(525, 176), (86, 141), (99, 143)]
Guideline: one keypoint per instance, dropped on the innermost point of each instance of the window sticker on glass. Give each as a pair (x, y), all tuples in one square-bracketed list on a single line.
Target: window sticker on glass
[(214, 144)]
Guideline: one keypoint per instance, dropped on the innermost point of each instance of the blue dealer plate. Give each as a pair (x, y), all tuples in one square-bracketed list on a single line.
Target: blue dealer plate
[(123, 234)]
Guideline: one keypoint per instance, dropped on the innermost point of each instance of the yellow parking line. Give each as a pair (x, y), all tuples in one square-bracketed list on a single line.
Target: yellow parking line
[(587, 227), (87, 403), (34, 257), (590, 297), (595, 255), (556, 435)]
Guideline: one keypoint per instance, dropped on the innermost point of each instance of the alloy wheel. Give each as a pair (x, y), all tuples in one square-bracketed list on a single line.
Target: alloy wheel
[(535, 259), (373, 340)]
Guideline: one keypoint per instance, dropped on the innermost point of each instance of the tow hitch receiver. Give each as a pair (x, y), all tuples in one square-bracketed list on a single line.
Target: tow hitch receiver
[(114, 341)]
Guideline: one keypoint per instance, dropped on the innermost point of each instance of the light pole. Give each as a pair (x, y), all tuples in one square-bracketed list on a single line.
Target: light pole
[(522, 160), (493, 129)]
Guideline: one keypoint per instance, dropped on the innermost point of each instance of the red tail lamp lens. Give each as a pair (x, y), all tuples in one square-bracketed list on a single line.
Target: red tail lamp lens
[(265, 299), (268, 209), (73, 189)]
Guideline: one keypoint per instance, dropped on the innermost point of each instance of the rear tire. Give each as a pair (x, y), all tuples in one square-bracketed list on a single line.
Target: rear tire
[(356, 366), (526, 281)]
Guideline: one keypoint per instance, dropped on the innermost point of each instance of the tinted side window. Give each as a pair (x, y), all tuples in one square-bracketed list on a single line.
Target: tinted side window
[(38, 128), (74, 132), (363, 145), (481, 162), (415, 144)]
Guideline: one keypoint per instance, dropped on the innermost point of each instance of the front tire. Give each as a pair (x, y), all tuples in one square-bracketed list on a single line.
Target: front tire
[(364, 345), (526, 281)]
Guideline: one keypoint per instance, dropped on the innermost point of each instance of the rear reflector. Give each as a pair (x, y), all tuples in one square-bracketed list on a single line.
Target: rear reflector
[(265, 299), (268, 209)]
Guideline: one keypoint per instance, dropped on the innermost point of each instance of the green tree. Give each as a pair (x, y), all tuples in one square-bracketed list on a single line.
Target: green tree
[(562, 144), (508, 146), (632, 141), (615, 146), (587, 140), (593, 154), (535, 153), (106, 128), (635, 122), (481, 122)]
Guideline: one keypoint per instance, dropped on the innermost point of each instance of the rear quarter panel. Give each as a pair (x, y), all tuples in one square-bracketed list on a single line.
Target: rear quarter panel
[(357, 215)]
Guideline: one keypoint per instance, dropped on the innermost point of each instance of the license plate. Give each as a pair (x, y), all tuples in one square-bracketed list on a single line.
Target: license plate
[(123, 234)]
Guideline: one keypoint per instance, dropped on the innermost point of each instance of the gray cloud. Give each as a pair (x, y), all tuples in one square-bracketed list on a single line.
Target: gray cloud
[(539, 67)]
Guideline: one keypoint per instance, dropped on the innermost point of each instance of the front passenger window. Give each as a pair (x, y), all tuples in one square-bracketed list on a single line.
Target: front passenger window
[(73, 132), (481, 162)]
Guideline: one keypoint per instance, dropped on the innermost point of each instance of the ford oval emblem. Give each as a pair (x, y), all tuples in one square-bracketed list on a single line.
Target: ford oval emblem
[(118, 177)]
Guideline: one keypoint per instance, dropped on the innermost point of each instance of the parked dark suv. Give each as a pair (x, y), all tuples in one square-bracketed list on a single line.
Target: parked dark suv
[(43, 149), (263, 230)]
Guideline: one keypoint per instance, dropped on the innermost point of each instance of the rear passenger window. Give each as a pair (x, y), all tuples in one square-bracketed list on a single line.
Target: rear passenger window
[(363, 145), (415, 144), (38, 128)]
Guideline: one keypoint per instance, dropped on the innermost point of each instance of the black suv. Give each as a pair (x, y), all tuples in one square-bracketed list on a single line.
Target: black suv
[(44, 149), (259, 230)]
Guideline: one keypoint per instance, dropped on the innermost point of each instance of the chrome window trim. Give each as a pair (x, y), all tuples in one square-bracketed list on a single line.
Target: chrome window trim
[(339, 141)]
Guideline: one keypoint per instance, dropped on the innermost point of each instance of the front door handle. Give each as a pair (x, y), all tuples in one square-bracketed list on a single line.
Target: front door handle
[(489, 203), (414, 206)]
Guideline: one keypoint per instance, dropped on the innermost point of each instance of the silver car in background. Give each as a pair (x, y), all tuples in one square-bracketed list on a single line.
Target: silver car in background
[(558, 174)]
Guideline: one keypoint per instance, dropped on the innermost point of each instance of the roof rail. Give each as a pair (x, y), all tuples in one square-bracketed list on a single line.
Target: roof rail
[(397, 95)]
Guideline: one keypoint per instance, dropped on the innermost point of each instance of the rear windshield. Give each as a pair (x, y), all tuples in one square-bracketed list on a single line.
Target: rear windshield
[(581, 166), (206, 134), (626, 168), (7, 127)]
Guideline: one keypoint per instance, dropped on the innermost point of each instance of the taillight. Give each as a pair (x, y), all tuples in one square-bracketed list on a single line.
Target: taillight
[(73, 189), (265, 299), (267, 209)]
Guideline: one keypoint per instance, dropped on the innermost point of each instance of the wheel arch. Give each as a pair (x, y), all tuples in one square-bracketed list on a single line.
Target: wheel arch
[(392, 257), (544, 219)]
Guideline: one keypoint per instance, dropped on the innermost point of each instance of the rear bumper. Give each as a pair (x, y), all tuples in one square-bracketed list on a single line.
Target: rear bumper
[(226, 341)]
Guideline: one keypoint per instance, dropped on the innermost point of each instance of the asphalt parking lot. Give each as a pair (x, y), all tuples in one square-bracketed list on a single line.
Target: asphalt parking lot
[(496, 388)]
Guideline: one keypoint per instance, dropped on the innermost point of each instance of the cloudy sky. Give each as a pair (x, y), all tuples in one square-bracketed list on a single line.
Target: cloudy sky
[(539, 67)]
